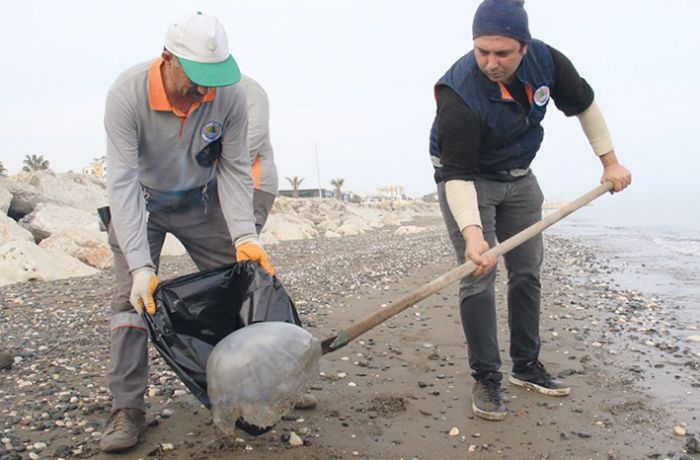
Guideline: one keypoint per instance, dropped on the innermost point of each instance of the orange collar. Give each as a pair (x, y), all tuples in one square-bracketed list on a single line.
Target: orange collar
[(158, 98)]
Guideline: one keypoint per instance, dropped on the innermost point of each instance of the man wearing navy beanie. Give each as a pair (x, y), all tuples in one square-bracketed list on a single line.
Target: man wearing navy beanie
[(486, 132)]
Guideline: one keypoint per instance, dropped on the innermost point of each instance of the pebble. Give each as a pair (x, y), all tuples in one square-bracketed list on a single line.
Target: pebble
[(314, 283), (39, 446), (454, 431), (679, 431), (295, 440), (166, 446)]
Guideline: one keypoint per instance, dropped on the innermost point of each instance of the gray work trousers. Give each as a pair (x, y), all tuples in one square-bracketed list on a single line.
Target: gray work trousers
[(262, 203), (206, 237), (506, 208)]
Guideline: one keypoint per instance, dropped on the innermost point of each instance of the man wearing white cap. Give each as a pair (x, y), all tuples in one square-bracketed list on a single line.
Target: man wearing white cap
[(177, 162)]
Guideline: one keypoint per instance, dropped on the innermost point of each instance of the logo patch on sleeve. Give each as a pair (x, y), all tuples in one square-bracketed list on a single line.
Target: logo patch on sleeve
[(211, 130), (541, 96)]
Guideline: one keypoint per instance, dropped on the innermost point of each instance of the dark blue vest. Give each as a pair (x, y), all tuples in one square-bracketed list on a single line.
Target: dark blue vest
[(510, 135)]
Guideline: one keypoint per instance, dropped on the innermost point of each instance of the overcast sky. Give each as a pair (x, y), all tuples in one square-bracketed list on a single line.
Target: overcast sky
[(355, 79)]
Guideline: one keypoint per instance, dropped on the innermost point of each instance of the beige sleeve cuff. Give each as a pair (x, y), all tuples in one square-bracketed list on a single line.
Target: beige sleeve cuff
[(596, 130), (461, 198)]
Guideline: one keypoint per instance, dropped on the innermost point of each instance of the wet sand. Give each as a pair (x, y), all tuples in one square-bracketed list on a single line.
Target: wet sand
[(394, 393)]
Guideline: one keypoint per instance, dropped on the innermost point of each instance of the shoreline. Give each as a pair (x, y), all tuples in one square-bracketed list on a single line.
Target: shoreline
[(410, 375)]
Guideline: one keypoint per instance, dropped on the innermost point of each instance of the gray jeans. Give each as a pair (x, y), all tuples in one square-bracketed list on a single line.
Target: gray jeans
[(505, 208), (208, 242)]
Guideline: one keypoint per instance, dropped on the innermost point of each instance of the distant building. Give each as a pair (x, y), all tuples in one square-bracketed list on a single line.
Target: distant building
[(386, 193), (309, 193), (97, 168), (391, 192)]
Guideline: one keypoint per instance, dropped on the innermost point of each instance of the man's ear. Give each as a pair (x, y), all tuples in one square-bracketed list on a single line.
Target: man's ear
[(523, 49)]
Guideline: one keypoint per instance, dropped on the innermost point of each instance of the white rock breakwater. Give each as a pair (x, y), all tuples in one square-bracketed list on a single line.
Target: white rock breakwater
[(49, 228)]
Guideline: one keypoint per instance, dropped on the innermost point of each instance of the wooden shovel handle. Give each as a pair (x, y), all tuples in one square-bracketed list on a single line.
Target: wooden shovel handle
[(343, 337)]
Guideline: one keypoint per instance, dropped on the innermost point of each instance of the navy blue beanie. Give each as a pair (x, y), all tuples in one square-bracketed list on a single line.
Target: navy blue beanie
[(502, 17)]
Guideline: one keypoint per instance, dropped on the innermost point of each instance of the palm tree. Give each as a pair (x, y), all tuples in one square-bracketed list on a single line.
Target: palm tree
[(295, 182), (35, 163), (3, 169), (338, 185)]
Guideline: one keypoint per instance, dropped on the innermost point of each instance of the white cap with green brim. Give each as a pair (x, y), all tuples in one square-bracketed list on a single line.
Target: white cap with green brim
[(200, 43)]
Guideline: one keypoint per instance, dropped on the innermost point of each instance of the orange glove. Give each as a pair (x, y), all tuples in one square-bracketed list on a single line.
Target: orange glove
[(144, 283), (253, 251)]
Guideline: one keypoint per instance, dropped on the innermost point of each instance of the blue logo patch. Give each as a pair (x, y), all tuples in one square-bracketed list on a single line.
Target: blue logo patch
[(211, 131)]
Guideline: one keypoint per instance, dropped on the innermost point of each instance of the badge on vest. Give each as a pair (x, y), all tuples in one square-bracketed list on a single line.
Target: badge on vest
[(211, 131), (541, 96)]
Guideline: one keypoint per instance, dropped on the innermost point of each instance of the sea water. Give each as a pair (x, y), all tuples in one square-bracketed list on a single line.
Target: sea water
[(662, 262), (651, 257)]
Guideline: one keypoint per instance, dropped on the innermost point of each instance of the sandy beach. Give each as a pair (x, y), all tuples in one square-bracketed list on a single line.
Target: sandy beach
[(402, 391)]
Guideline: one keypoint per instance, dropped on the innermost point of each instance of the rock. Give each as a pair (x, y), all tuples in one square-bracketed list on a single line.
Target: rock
[(39, 446), (25, 197), (353, 226), (284, 227), (90, 248), (295, 440), (12, 231), (391, 220), (678, 430), (454, 431), (5, 199), (48, 218), (267, 238), (693, 338), (80, 191), (172, 246), (692, 446), (22, 261)]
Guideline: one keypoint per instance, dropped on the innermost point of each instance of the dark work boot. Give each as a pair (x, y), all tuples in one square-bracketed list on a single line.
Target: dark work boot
[(123, 428), (487, 401), (535, 377)]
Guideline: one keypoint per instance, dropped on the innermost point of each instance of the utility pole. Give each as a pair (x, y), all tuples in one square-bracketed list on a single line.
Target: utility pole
[(318, 172)]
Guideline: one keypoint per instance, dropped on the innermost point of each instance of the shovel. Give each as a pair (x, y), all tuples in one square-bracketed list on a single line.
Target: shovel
[(259, 398), (342, 338)]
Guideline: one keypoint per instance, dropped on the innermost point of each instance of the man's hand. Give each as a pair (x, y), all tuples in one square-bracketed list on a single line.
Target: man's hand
[(253, 251), (614, 172), (144, 283), (476, 247)]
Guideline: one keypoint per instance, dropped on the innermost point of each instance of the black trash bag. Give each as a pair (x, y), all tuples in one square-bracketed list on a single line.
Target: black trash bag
[(194, 312)]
